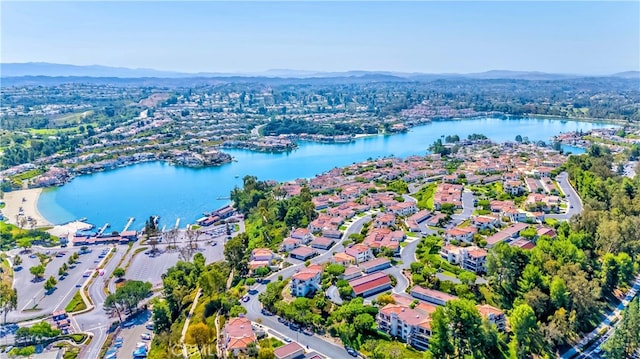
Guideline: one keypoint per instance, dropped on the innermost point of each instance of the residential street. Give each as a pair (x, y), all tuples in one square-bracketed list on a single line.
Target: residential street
[(315, 342), (574, 201)]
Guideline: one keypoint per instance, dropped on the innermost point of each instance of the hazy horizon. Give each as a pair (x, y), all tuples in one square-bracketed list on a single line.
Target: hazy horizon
[(594, 38)]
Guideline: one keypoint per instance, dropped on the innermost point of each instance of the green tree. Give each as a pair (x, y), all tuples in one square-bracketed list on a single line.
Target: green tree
[(610, 273), (37, 271), (17, 261), (119, 272), (200, 335), (266, 353), (8, 299), (24, 243), (526, 337), (559, 294), (50, 284), (161, 316), (440, 341), (234, 252)]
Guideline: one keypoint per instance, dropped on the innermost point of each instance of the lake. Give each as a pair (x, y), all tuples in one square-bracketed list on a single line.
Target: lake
[(170, 192)]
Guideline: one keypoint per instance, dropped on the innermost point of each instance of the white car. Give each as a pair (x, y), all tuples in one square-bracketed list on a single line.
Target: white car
[(145, 336)]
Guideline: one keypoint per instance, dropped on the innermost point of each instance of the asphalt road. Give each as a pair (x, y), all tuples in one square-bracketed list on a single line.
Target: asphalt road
[(467, 208), (574, 201), (97, 321)]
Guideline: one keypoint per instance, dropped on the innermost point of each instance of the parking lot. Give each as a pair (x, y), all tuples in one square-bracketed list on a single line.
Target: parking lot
[(150, 268), (32, 292), (130, 335)]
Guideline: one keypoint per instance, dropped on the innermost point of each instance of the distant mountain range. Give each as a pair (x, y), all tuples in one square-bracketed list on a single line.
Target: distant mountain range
[(62, 70)]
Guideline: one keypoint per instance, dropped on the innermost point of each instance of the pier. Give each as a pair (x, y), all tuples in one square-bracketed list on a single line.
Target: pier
[(131, 219), (177, 223), (104, 228)]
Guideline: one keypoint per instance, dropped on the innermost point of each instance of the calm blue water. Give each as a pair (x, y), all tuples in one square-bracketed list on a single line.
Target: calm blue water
[(176, 192)]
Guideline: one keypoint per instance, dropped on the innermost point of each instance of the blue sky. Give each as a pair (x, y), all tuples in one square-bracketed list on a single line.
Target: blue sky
[(432, 37)]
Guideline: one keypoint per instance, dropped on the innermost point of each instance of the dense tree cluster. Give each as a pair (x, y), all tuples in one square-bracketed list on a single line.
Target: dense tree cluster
[(626, 339), (564, 282), (128, 297), (36, 333)]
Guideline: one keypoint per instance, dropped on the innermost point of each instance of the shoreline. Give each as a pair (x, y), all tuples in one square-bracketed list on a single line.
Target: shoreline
[(14, 201)]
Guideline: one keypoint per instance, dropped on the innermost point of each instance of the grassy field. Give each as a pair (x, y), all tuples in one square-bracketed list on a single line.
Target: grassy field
[(76, 304), (71, 118), (425, 196)]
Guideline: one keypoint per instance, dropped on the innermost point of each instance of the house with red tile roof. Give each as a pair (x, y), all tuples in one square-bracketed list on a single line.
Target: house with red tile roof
[(238, 335), (484, 222), (322, 243), (384, 220), (375, 265), (351, 273), (306, 281), (303, 253), (370, 284), (343, 258), (463, 234), (292, 350), (360, 252), (409, 325), (431, 295), (289, 244), (403, 208), (303, 234), (493, 315)]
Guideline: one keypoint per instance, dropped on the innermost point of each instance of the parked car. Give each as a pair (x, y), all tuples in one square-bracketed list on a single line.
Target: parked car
[(149, 326), (246, 298), (145, 336), (287, 339)]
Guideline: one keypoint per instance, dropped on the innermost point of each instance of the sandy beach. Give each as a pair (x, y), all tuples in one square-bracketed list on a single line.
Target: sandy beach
[(29, 206), (14, 201)]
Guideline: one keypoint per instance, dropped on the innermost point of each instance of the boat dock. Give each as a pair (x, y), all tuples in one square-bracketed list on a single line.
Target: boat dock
[(128, 224), (104, 228), (177, 223)]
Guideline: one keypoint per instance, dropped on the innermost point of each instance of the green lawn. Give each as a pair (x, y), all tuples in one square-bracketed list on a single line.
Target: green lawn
[(76, 303)]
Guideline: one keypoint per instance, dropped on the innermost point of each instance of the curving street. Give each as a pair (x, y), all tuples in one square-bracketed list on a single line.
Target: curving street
[(572, 197), (317, 343)]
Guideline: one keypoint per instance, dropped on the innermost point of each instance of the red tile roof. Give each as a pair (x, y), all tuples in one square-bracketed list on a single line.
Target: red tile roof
[(287, 350), (369, 282)]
